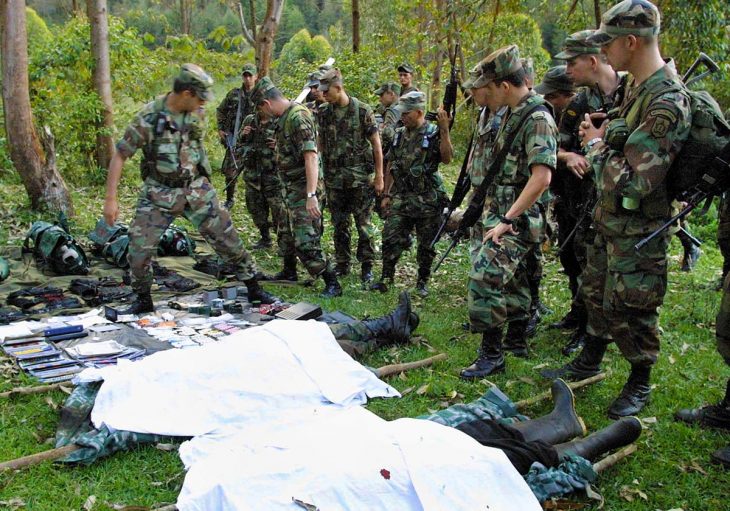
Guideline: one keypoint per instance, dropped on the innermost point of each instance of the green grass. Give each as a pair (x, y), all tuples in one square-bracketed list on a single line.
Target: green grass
[(671, 468)]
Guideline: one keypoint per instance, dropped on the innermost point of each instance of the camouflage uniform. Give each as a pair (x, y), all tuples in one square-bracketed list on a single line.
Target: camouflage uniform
[(264, 189), (347, 159), (723, 233), (418, 194), (175, 169), (230, 113), (407, 68)]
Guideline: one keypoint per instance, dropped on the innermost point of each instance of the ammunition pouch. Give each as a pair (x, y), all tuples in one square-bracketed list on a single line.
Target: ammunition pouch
[(617, 133)]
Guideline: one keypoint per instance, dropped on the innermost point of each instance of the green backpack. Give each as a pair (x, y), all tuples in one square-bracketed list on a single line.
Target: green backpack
[(55, 248), (175, 242), (111, 243)]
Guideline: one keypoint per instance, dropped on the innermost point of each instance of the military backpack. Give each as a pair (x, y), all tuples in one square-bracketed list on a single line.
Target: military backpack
[(55, 248)]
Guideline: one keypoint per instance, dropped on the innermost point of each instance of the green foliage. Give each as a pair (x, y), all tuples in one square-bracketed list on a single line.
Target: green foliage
[(302, 50), (38, 33)]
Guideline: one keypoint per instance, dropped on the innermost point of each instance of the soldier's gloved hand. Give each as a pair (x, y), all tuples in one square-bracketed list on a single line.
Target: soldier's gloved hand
[(111, 210)]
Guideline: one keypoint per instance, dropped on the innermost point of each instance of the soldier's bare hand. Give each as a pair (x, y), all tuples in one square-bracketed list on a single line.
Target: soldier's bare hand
[(587, 131), (222, 134), (385, 206), (577, 164), (247, 129), (443, 118), (495, 233), (378, 184), (111, 210), (271, 143), (313, 207)]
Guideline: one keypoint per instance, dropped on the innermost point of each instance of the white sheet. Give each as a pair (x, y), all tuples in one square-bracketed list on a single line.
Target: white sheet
[(275, 415)]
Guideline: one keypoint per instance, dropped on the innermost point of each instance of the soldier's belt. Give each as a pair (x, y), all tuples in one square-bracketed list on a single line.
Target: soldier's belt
[(173, 181)]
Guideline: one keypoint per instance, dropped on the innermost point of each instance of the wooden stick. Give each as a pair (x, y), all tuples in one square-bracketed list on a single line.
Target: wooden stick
[(35, 459), (38, 389), (171, 507), (391, 369), (614, 458), (573, 385)]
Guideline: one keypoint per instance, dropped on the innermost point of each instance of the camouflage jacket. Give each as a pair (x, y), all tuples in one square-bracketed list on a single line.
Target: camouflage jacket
[(172, 143), (344, 141), (391, 119), (227, 110), (658, 124), (485, 134), (534, 144), (296, 133), (254, 154), (406, 90), (414, 159)]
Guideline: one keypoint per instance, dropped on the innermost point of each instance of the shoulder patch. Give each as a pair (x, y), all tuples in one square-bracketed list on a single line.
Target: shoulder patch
[(571, 113), (660, 121)]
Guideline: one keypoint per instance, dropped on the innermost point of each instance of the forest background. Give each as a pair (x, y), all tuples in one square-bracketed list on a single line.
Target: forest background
[(149, 39)]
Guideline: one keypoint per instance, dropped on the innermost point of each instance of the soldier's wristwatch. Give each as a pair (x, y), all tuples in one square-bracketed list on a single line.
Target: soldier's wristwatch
[(311, 194), (505, 220)]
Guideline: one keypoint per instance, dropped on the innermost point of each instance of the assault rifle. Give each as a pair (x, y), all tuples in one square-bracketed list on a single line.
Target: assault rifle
[(450, 93), (228, 140)]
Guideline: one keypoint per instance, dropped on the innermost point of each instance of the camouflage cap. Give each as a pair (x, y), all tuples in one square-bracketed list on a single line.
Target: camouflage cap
[(250, 69), (328, 78), (405, 67), (630, 17), (313, 79), (494, 66), (529, 66), (577, 44), (199, 80), (556, 79), (262, 90), (415, 100), (388, 86)]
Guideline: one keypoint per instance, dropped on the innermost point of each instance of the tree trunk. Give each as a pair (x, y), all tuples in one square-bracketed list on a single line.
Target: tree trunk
[(97, 12), (43, 183), (597, 12), (185, 14), (436, 89), (265, 36), (355, 26)]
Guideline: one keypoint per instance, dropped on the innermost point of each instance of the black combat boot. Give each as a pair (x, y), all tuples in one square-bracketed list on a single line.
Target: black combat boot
[(490, 359), (342, 269), (385, 279), (560, 425), (142, 304), (332, 288), (532, 322), (423, 276), (398, 325), (635, 394), (722, 457), (585, 365), (366, 273), (257, 294), (691, 255), (570, 321), (288, 273), (576, 342), (230, 195), (622, 432), (265, 240), (711, 416), (515, 341)]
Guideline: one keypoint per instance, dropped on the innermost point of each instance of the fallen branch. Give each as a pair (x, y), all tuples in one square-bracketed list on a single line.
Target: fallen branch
[(614, 458), (573, 385), (38, 389), (35, 459), (391, 369)]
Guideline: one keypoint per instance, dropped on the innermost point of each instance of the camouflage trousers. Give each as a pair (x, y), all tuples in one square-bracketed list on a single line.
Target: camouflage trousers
[(354, 338), (722, 325), (262, 199), (159, 205), (623, 290), (533, 266), (356, 203), (396, 239), (723, 233), (307, 231), (498, 287)]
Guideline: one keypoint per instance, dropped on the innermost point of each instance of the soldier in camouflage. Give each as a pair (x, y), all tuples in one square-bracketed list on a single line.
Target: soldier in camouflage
[(525, 155), (630, 155), (176, 175), (232, 110), (297, 162), (405, 77), (255, 149), (415, 195), (352, 158), (572, 184), (315, 96), (388, 93)]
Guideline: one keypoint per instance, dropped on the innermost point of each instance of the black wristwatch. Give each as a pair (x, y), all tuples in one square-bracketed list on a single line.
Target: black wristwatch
[(505, 220)]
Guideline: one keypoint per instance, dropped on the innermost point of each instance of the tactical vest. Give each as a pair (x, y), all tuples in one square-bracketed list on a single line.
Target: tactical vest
[(111, 243), (421, 175), (166, 132), (347, 130)]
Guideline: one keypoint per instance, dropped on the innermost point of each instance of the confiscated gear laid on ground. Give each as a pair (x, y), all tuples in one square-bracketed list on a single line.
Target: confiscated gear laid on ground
[(40, 299), (103, 290), (54, 248)]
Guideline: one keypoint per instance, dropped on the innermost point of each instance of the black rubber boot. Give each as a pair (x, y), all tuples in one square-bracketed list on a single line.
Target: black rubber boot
[(532, 322), (421, 288), (635, 394), (576, 342), (142, 304), (515, 340), (230, 195), (366, 273), (560, 425), (288, 272), (257, 294), (722, 457), (385, 279), (264, 241), (622, 432), (332, 287), (585, 365), (490, 359), (398, 325), (711, 416), (570, 321)]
